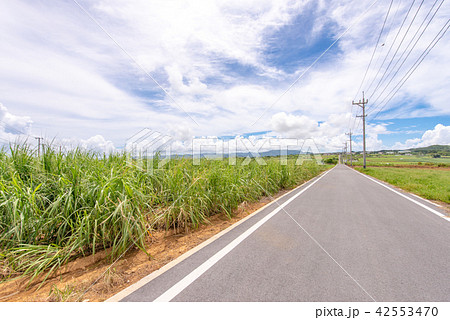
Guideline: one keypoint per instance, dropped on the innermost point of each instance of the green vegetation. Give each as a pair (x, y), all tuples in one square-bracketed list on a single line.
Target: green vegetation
[(392, 160), (431, 184), (441, 150), (57, 295), (66, 205), (331, 160)]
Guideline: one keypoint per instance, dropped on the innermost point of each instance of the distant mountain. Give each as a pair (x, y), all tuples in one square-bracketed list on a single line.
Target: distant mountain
[(443, 150), (271, 153), (440, 149), (432, 149)]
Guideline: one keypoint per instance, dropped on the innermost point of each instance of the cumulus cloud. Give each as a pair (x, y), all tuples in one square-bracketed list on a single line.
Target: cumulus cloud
[(13, 128), (98, 144), (95, 143), (212, 58), (328, 135), (439, 135), (294, 126), (14, 124)]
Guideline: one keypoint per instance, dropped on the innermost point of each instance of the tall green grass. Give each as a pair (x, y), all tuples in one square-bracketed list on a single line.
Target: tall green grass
[(60, 206)]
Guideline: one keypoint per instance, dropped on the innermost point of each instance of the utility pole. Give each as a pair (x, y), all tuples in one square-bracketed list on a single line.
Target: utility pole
[(351, 156), (345, 152), (39, 145), (362, 104)]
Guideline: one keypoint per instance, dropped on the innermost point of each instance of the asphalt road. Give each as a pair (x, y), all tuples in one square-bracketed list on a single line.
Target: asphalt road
[(340, 237)]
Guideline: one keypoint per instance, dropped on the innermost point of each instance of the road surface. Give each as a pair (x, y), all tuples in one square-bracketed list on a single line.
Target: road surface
[(339, 237)]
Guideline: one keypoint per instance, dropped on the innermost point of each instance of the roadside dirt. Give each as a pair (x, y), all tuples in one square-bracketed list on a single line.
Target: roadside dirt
[(89, 279), (445, 206)]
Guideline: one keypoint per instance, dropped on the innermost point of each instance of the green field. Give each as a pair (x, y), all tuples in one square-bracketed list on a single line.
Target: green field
[(402, 160), (433, 184), (61, 206)]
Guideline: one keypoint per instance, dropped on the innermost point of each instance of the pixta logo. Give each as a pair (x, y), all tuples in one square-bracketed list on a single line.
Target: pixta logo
[(148, 150)]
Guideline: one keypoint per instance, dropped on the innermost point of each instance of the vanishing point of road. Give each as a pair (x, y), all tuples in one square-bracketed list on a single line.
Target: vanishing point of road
[(340, 237)]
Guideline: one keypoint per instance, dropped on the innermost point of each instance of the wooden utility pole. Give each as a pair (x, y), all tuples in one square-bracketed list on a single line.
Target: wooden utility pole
[(344, 152), (362, 104), (39, 145), (351, 156)]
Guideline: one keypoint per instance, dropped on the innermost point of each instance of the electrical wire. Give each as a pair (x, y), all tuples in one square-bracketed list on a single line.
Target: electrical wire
[(390, 48), (371, 58), (11, 128), (374, 49), (410, 51), (388, 33), (405, 78), (396, 51), (315, 61)]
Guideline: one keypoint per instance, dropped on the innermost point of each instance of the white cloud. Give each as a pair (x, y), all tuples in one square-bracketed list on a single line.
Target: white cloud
[(439, 135), (63, 72), (95, 143), (98, 144), (13, 128), (14, 124), (328, 135), (293, 126), (17, 129)]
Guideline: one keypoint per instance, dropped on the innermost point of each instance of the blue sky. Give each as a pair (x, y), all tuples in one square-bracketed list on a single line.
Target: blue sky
[(409, 128), (94, 72)]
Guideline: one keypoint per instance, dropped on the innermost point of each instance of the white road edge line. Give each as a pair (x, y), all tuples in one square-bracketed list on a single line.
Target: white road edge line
[(130, 289), (195, 274), (405, 196), (426, 200)]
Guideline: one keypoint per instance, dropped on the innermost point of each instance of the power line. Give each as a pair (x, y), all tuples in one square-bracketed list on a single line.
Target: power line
[(315, 61), (11, 128), (359, 123), (396, 51), (371, 58), (390, 48), (393, 21), (388, 32), (414, 67), (374, 49), (412, 48)]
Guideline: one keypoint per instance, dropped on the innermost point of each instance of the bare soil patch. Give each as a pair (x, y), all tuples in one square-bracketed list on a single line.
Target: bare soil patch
[(88, 278)]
